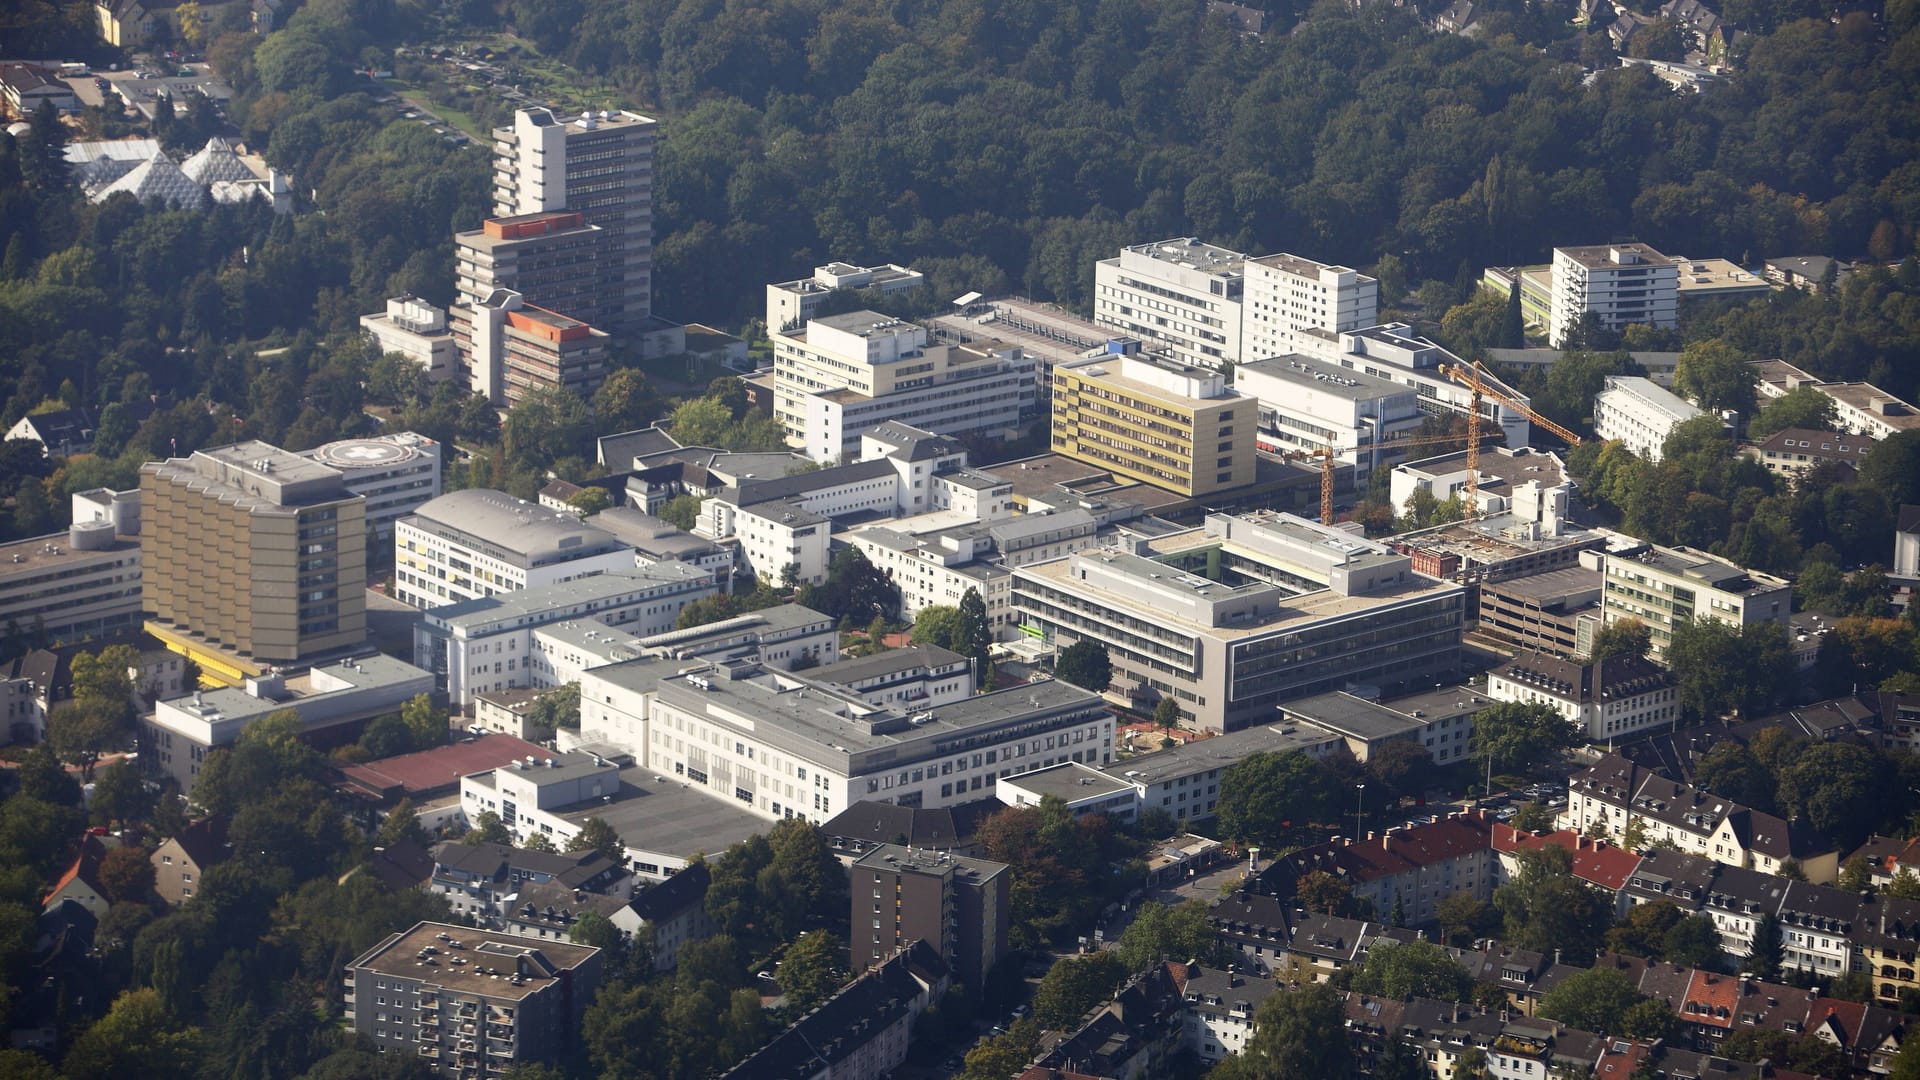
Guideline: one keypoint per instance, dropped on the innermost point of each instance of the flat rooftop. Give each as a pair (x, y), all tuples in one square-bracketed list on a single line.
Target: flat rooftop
[(442, 766), (1699, 566), (1205, 755), (1552, 586), (1318, 375), (42, 552), (1070, 782), (1511, 467), (661, 814), (1600, 256), (595, 637), (1193, 254), (895, 857), (1493, 539), (525, 533), (866, 323), (1870, 399), (470, 966), (544, 599), (1352, 716), (264, 459), (1295, 610), (1303, 267)]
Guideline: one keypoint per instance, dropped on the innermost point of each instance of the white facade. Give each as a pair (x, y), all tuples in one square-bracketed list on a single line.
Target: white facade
[(791, 303), (488, 644), (836, 378), (1614, 709), (1637, 413), (1307, 404), (82, 583), (1390, 351), (1286, 295), (477, 543), (418, 331), (396, 474), (1664, 587), (780, 745), (1621, 284), (1179, 294), (937, 567)]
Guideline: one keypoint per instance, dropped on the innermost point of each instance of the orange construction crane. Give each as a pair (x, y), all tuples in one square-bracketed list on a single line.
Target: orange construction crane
[(1473, 379), (1328, 453)]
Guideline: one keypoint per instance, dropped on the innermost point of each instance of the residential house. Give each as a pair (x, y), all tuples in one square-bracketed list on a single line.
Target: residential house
[(1406, 871), (1792, 453), (181, 862), (480, 880), (1220, 1007), (860, 1033), (80, 883), (672, 913), (1615, 796)]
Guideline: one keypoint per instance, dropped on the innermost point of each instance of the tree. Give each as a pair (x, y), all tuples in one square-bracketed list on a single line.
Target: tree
[(1513, 324), (596, 835), (126, 875), (1322, 892), (1894, 468), (1159, 932), (402, 824), (487, 829), (540, 842), (1166, 713), (386, 735), (1763, 962), (1269, 799), (973, 635), (137, 1037), (426, 721), (1546, 908), (1073, 986), (40, 776), (813, 968), (548, 424), (1714, 376), (1807, 1054), (1856, 875), (1002, 1055), (1593, 1000), (1628, 637), (590, 500), (1084, 664), (624, 403), (105, 678), (1805, 408), (937, 625), (81, 731), (682, 511), (1412, 969), (1839, 788), (1464, 917), (1730, 770), (1520, 735), (1299, 1035)]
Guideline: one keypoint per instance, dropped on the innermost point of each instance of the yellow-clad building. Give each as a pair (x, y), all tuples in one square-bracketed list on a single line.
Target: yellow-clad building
[(1172, 425)]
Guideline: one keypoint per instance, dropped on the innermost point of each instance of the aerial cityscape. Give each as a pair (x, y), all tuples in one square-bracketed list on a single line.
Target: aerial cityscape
[(546, 540)]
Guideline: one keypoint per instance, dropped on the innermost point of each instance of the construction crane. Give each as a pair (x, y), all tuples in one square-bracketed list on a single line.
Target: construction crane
[(1327, 454), (1473, 378)]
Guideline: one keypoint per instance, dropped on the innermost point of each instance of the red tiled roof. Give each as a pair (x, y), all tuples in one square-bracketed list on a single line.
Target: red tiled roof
[(426, 771), (1594, 861), (1384, 855), (1712, 1000)]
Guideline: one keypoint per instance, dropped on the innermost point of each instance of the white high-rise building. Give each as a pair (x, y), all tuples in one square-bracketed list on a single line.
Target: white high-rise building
[(599, 164), (1181, 295), (1296, 305), (1620, 284)]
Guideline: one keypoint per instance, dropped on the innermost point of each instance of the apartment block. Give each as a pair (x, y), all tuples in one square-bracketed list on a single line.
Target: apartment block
[(790, 304), (1665, 587), (600, 166), (1792, 453), (396, 474), (862, 1032), (1175, 426), (513, 348), (470, 1003), (552, 258), (1620, 284), (956, 904), (470, 544), (1287, 297), (1640, 414), (837, 377), (254, 552), (1235, 617), (1181, 295), (418, 331)]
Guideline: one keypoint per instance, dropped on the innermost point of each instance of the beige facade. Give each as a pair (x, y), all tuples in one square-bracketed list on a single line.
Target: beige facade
[(254, 551), (1173, 426)]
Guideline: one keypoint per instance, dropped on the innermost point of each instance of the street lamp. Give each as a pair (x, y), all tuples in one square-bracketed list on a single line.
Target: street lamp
[(1359, 809)]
